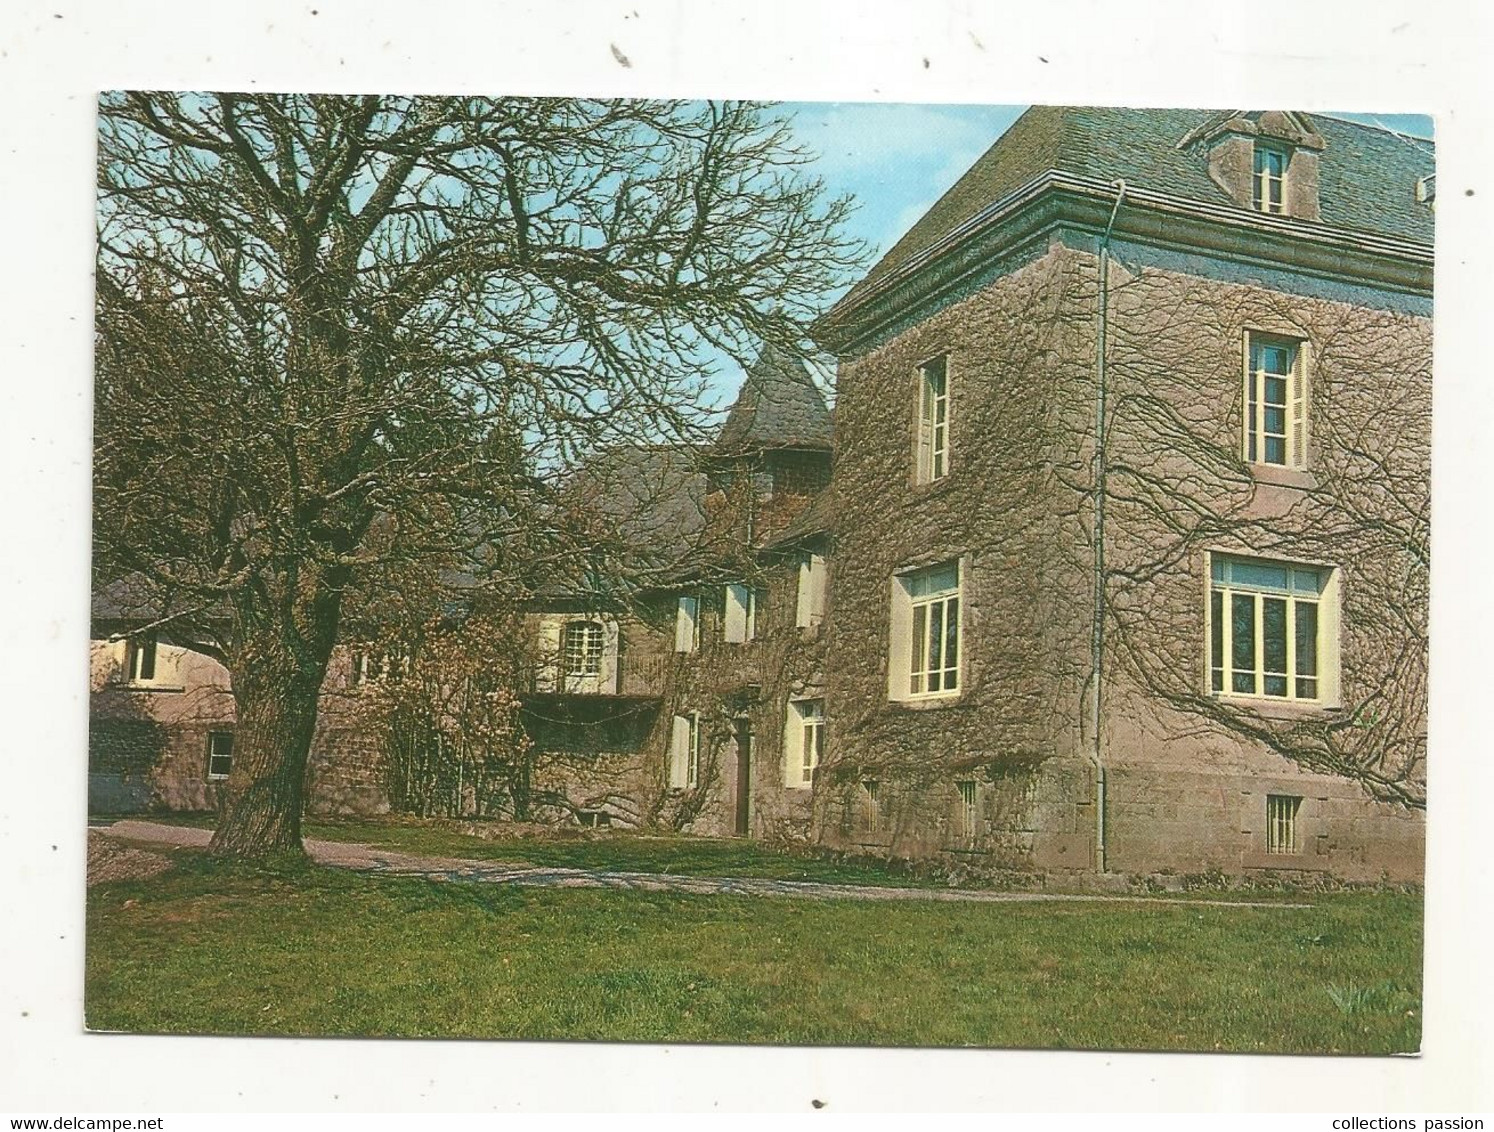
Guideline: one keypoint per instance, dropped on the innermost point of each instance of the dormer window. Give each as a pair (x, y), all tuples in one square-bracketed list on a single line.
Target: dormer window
[(1264, 160), (1269, 185)]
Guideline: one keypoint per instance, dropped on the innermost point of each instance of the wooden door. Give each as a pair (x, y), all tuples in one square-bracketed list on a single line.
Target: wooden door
[(743, 732)]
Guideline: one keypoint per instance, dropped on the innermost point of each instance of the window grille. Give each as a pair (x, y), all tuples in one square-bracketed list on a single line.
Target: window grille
[(1281, 823)]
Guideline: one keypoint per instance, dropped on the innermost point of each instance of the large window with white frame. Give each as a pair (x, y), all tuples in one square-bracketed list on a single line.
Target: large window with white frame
[(1276, 402), (1268, 186), (925, 660), (1269, 629), (804, 742), (933, 419)]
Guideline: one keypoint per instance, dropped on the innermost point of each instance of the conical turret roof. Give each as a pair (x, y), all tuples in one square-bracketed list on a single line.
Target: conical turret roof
[(779, 406)]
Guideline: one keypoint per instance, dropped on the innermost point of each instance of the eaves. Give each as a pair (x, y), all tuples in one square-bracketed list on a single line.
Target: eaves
[(1055, 203)]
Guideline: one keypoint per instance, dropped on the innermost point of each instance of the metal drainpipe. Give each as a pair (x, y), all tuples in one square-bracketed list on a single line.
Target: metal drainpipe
[(1097, 635)]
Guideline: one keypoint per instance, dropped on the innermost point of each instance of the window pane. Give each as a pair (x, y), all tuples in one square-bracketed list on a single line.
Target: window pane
[(927, 583), (1307, 581), (1276, 359), (1216, 638), (936, 641), (1242, 634), (1307, 638), (1274, 645), (920, 618), (1274, 631), (951, 642), (1258, 575)]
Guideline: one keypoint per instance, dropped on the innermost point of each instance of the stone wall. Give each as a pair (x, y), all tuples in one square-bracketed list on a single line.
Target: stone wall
[(1187, 771), (731, 684), (1010, 513), (148, 743)]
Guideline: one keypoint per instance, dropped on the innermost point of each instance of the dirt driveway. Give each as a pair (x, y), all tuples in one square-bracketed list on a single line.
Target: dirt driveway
[(372, 859)]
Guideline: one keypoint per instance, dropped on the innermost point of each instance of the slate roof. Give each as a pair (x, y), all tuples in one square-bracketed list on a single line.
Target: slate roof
[(1366, 175), (651, 500), (129, 598), (656, 495), (779, 406)]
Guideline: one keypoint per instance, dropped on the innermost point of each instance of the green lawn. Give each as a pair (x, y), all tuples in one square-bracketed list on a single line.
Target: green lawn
[(216, 948)]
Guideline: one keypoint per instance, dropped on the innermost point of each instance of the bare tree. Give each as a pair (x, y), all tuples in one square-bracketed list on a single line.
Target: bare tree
[(341, 335)]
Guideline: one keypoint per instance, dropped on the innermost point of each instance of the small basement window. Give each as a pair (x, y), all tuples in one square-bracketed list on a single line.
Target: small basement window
[(871, 806), (969, 810), (1281, 823)]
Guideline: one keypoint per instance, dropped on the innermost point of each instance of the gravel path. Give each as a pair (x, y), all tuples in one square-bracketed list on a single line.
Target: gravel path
[(372, 859)]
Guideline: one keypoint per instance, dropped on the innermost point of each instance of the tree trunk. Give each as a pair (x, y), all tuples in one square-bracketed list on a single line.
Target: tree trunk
[(277, 679)]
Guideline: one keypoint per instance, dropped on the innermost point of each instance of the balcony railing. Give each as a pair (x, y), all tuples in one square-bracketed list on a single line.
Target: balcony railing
[(638, 677)]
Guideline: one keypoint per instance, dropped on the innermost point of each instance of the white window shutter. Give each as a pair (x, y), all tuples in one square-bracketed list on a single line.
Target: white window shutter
[(925, 428), (679, 752), (793, 745), (684, 624), (737, 598), (547, 671), (803, 602), (811, 605), (1299, 406)]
